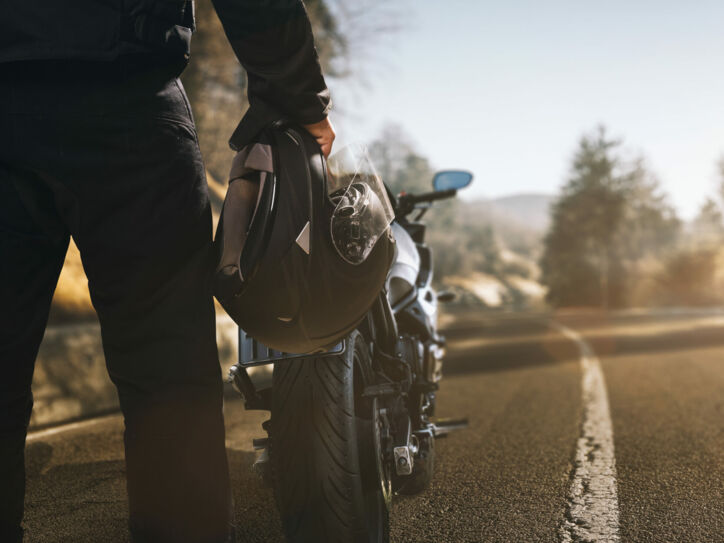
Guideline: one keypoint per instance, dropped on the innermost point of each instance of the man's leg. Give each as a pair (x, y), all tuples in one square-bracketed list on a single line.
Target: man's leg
[(145, 239), (32, 249)]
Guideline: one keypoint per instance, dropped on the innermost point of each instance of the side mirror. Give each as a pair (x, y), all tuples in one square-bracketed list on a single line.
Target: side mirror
[(451, 180)]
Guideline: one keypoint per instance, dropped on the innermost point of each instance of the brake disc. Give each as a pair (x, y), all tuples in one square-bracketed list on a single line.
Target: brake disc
[(383, 456)]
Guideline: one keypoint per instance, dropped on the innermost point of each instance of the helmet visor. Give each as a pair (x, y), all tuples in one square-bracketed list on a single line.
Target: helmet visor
[(363, 211)]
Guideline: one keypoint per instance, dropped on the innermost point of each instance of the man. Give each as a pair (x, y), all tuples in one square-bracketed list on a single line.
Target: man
[(97, 141)]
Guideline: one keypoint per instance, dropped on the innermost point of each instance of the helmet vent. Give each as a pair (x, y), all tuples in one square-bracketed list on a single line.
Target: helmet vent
[(303, 238)]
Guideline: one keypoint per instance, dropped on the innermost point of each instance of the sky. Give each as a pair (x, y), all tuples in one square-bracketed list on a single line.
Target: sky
[(507, 88)]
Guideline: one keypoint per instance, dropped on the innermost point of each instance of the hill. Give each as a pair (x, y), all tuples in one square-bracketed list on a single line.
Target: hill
[(519, 221), (531, 210), (526, 211)]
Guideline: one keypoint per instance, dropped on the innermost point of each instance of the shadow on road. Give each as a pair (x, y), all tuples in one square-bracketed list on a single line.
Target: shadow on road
[(82, 502), (625, 344), (86, 501), (489, 343), (256, 513)]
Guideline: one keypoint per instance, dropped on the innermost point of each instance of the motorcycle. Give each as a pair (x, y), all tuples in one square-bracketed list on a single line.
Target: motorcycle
[(355, 425)]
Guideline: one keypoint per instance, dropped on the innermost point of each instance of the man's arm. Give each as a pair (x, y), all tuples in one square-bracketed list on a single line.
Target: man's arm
[(273, 41)]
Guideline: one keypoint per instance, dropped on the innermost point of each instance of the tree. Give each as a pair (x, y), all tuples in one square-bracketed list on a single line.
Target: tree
[(216, 83), (707, 228), (577, 255), (708, 225), (610, 215), (330, 40), (649, 225), (460, 248), (397, 162)]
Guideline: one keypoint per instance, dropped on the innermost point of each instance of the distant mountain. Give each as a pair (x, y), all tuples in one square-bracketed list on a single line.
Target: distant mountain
[(528, 212), (520, 220), (532, 210), (508, 277)]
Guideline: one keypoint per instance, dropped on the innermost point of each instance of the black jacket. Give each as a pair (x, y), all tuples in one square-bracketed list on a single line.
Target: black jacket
[(271, 38)]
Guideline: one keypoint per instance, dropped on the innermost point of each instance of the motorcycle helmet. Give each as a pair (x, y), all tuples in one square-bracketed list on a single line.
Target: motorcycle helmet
[(318, 247)]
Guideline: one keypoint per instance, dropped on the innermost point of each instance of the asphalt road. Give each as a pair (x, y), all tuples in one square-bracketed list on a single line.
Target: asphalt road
[(508, 477)]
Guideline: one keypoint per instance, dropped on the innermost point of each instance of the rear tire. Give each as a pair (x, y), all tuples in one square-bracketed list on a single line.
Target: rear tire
[(322, 452)]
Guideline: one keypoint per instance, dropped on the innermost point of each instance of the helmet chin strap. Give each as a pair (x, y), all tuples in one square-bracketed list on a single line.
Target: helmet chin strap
[(247, 177), (238, 212), (251, 166)]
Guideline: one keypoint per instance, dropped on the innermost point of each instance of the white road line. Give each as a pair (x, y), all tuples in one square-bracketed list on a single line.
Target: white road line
[(592, 512), (42, 434)]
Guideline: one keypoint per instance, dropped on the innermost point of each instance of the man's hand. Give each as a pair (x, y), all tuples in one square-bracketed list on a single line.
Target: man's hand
[(323, 132)]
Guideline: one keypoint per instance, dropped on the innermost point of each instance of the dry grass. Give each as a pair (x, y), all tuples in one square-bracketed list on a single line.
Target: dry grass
[(72, 300)]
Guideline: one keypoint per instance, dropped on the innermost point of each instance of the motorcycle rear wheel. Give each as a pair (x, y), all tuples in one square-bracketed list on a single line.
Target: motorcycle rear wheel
[(322, 450)]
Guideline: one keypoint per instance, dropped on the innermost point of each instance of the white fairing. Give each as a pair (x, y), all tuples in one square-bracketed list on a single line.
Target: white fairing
[(405, 268), (428, 301)]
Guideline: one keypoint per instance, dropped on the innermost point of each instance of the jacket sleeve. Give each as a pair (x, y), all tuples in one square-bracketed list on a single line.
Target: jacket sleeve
[(273, 41)]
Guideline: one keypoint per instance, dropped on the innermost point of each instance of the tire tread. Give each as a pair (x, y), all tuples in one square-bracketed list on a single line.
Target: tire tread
[(314, 457)]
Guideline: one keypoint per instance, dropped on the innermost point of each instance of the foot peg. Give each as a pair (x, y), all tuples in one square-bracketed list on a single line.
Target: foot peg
[(405, 450), (443, 427), (404, 460)]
